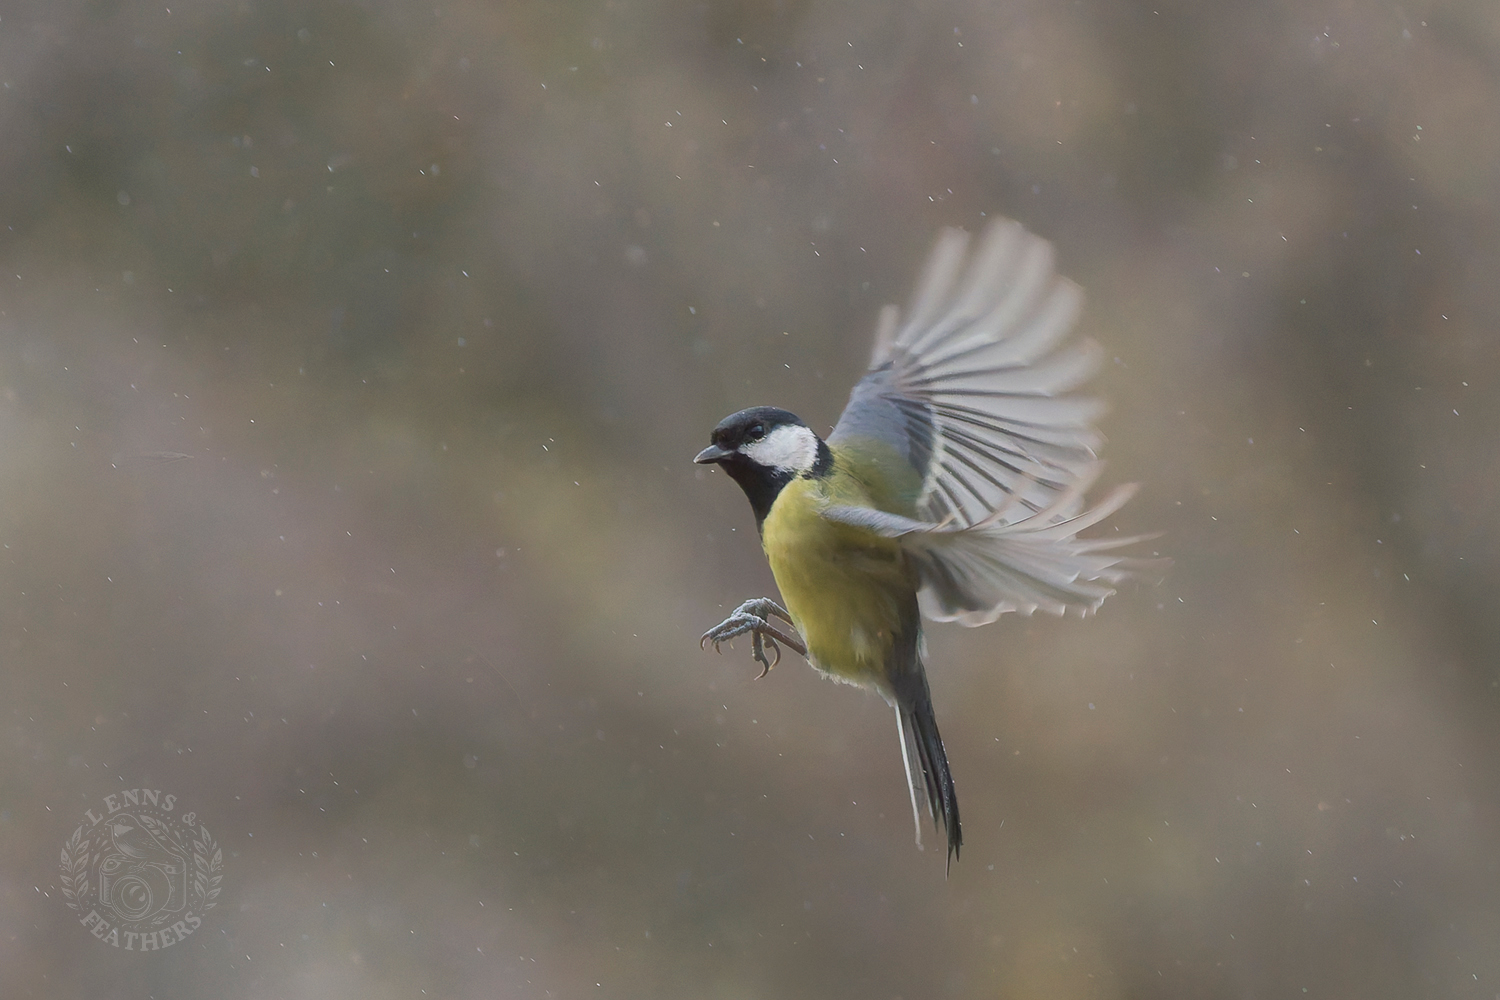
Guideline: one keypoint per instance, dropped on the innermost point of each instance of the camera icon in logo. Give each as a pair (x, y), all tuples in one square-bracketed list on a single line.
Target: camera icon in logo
[(145, 877)]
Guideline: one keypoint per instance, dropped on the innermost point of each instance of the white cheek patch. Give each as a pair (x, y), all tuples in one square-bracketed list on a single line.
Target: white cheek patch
[(790, 447)]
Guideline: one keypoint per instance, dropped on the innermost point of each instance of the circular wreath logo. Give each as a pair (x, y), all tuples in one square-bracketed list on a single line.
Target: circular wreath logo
[(140, 875)]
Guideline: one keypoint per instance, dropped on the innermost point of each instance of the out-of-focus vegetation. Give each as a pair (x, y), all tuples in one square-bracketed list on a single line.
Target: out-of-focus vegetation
[(352, 356)]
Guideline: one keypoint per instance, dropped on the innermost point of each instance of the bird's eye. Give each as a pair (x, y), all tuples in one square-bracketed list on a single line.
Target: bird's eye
[(756, 432)]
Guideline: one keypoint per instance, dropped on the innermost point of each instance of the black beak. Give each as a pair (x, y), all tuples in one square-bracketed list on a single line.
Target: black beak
[(713, 453)]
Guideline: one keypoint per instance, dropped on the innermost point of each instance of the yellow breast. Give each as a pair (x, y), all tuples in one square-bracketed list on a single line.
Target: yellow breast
[(850, 592)]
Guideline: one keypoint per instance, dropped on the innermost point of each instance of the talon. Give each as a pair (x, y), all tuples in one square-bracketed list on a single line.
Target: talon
[(766, 665), (759, 653), (755, 617)]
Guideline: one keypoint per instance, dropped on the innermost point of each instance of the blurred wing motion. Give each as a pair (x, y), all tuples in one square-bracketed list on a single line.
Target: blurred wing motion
[(975, 390)]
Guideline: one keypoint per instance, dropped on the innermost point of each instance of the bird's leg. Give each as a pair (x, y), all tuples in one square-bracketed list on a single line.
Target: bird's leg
[(756, 617)]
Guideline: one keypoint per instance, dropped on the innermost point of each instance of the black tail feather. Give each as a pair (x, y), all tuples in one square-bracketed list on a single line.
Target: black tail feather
[(919, 730)]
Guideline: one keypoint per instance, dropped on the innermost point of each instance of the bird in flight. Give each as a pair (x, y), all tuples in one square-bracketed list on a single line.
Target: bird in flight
[(953, 487)]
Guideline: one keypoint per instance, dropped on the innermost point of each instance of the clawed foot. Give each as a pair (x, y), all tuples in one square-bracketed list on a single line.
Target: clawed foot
[(756, 617)]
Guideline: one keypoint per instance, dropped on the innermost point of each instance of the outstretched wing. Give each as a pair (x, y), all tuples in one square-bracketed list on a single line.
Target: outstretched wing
[(974, 574), (975, 389)]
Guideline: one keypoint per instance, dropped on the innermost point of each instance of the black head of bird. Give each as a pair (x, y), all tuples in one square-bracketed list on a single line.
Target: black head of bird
[(764, 448)]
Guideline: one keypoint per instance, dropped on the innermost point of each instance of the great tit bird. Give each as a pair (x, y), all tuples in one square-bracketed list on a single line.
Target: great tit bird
[(952, 487)]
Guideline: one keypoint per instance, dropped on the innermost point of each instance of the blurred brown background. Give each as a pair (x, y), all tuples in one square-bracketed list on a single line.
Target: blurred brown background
[(352, 356)]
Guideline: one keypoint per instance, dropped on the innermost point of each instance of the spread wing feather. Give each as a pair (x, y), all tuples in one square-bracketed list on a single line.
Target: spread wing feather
[(975, 390), (975, 573)]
